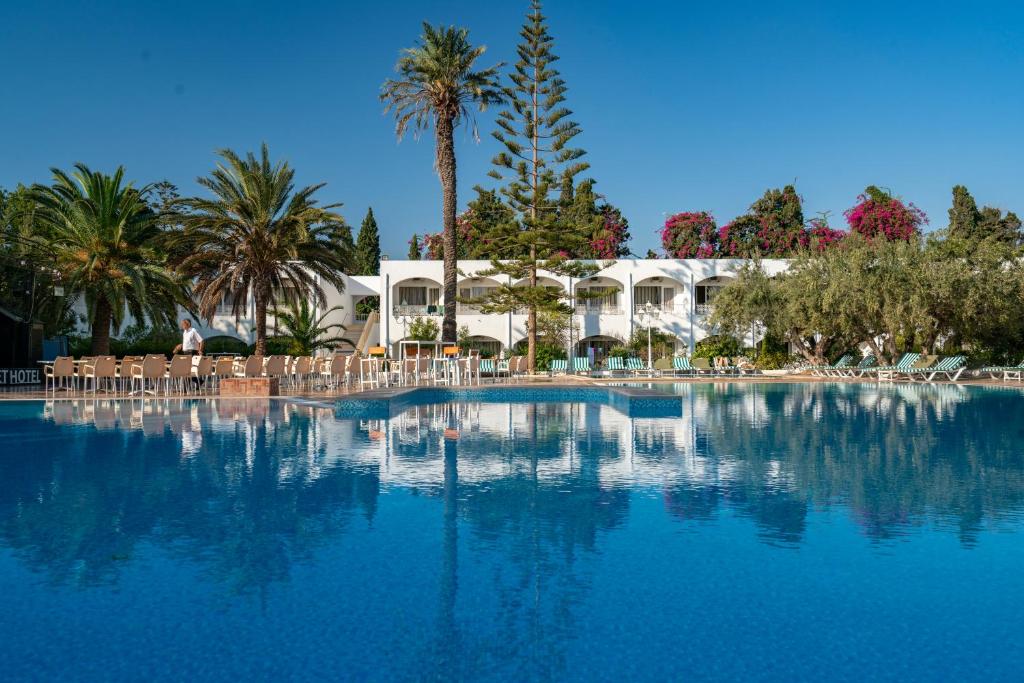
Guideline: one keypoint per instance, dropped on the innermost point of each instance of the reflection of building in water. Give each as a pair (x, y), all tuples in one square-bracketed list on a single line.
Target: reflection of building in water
[(766, 450)]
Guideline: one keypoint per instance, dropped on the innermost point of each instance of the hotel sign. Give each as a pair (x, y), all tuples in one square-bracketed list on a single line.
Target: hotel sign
[(12, 377)]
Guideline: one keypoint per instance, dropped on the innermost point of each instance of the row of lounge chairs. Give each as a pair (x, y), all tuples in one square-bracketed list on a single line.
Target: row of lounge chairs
[(679, 366), (911, 366)]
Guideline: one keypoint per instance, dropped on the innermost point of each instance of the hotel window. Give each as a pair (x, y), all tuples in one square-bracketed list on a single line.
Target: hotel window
[(478, 292), (600, 299), (412, 296), (647, 294), (704, 297)]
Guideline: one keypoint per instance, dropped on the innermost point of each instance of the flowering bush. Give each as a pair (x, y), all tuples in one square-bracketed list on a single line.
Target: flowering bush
[(610, 241), (740, 239), (820, 236), (879, 213), (691, 234), (433, 245)]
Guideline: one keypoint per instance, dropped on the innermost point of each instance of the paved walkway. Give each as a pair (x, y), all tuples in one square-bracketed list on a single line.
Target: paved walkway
[(21, 393)]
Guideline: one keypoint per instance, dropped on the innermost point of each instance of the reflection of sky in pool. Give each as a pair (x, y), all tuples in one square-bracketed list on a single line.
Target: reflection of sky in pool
[(772, 532)]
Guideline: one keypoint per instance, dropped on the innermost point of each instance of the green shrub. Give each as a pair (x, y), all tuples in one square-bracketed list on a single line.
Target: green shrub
[(717, 345), (547, 353), (619, 352), (225, 344), (278, 346), (773, 360), (662, 343), (424, 329)]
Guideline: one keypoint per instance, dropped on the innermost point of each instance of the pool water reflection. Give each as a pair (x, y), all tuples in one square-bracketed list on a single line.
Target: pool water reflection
[(769, 532)]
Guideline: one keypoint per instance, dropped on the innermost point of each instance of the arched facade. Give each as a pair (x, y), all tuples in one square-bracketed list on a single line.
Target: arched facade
[(416, 296)]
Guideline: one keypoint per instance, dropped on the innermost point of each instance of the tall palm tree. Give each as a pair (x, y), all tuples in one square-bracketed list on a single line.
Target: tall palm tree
[(306, 330), (437, 84), (106, 242), (258, 236)]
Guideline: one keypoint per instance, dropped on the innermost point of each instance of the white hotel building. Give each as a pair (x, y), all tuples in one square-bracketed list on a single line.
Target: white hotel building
[(681, 290)]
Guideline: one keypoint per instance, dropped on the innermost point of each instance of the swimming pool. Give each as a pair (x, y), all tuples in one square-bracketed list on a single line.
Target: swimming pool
[(773, 532)]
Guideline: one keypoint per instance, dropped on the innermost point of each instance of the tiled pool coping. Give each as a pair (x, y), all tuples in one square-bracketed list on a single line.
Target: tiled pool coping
[(631, 401)]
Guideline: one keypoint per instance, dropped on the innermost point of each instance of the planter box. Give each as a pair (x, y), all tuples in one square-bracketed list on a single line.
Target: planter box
[(250, 386)]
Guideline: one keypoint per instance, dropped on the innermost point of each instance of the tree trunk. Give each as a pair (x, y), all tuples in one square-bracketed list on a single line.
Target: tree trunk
[(445, 142), (260, 299), (101, 328), (531, 317)]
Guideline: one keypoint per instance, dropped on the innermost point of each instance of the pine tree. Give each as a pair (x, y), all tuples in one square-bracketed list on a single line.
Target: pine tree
[(968, 223), (963, 215), (536, 133), (367, 260), (415, 248)]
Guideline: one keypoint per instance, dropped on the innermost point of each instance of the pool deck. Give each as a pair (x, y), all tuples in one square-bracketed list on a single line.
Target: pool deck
[(35, 393)]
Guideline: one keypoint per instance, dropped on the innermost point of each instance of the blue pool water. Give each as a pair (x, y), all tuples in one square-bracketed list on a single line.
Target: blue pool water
[(771, 532)]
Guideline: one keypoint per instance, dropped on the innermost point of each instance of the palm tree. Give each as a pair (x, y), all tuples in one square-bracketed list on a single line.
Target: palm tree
[(106, 242), (307, 331), (437, 84), (258, 236)]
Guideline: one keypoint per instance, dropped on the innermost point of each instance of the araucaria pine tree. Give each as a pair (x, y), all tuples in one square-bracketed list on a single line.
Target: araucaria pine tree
[(367, 261), (415, 248), (536, 133)]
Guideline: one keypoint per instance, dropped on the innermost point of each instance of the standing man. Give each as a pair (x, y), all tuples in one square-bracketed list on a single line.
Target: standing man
[(191, 343)]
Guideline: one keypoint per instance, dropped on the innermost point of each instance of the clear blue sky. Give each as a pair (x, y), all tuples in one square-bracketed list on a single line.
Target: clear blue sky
[(684, 105)]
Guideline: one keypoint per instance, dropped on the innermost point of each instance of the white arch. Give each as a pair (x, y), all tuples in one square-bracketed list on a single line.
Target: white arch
[(416, 296), (609, 303)]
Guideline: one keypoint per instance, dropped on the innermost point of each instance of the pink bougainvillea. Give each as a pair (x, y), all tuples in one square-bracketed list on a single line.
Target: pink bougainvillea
[(691, 234), (433, 245), (877, 213), (820, 236), (610, 241)]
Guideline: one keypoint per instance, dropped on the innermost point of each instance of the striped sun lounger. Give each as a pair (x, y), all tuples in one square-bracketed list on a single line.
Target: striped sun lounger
[(866, 365), (887, 372), (635, 365), (559, 366), (951, 367), (581, 365), (836, 369), (614, 365), (681, 366), (1008, 372)]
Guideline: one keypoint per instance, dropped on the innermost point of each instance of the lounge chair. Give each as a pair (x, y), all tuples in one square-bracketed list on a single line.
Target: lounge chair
[(559, 366), (905, 361), (834, 370), (663, 366), (581, 365), (614, 365), (723, 365), (951, 367), (701, 366), (866, 365), (681, 366), (1009, 372), (487, 366), (635, 366)]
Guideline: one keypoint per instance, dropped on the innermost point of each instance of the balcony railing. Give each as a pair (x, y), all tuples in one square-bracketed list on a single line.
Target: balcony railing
[(360, 317), (704, 309), (598, 310), (639, 308), (415, 310), (467, 309)]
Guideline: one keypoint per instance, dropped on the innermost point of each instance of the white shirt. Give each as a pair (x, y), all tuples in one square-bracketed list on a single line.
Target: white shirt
[(190, 340)]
